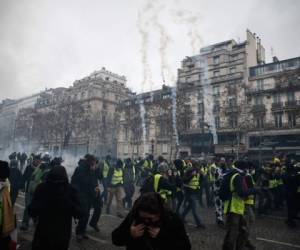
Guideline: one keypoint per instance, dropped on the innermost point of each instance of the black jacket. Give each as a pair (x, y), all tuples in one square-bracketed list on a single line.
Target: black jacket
[(54, 205), (172, 235), (27, 177), (15, 179), (85, 181)]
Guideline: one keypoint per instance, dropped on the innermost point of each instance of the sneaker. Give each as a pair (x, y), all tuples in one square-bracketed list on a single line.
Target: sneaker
[(95, 227)]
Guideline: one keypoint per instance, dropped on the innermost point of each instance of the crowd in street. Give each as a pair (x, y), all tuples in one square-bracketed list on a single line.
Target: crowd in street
[(153, 196)]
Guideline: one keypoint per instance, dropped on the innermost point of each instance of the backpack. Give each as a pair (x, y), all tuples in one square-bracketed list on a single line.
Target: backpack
[(224, 192)]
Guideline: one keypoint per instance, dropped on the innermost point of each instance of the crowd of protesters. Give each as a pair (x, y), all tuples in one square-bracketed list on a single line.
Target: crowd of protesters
[(153, 196)]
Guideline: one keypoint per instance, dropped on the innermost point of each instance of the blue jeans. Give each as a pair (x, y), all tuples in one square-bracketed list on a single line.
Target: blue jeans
[(192, 200)]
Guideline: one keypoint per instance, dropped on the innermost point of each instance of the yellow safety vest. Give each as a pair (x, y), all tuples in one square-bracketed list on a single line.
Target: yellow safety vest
[(105, 169), (194, 182), (212, 171), (236, 205), (163, 193), (117, 177), (272, 183)]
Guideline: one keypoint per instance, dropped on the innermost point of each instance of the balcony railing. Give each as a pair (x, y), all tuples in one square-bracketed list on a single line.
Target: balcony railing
[(231, 109), (259, 108), (277, 105), (226, 77), (292, 104), (254, 91)]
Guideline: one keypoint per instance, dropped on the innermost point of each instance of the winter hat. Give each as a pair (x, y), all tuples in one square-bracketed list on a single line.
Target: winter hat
[(4, 170), (57, 174)]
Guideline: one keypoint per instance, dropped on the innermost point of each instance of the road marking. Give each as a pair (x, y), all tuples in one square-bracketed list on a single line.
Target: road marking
[(278, 242)]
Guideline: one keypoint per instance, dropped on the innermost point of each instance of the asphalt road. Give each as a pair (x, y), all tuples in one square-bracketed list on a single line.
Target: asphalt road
[(268, 233)]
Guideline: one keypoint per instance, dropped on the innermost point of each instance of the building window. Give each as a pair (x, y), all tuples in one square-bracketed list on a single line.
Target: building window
[(258, 100), (292, 120), (126, 133), (201, 76), (232, 70), (216, 59), (291, 97), (165, 148), (166, 96), (278, 120), (216, 73), (216, 106), (259, 122), (234, 57), (217, 122), (216, 91), (233, 121), (232, 102), (231, 89), (277, 98), (260, 84), (200, 108), (125, 150)]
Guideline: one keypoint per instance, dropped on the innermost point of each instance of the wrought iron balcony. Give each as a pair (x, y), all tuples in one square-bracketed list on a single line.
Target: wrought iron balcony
[(231, 109), (260, 108), (292, 104), (277, 105)]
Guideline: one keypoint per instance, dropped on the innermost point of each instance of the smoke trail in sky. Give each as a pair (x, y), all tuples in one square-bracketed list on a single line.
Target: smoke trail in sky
[(166, 72), (208, 99)]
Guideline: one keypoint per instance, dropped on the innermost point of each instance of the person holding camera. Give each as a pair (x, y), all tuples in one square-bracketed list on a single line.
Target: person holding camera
[(150, 225)]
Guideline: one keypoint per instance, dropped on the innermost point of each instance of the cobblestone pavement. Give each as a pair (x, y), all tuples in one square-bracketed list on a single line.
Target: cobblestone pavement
[(269, 233)]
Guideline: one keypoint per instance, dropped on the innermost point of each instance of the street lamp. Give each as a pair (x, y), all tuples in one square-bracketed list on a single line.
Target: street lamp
[(152, 146)]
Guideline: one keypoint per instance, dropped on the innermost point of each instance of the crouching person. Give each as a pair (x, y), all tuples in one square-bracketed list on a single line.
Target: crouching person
[(54, 205), (149, 225)]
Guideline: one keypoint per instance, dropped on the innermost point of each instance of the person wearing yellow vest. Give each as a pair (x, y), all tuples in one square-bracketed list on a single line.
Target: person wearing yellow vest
[(159, 183), (115, 187), (237, 236), (191, 185), (7, 220), (105, 168)]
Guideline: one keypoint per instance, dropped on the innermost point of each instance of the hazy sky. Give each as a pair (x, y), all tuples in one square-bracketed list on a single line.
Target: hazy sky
[(51, 43)]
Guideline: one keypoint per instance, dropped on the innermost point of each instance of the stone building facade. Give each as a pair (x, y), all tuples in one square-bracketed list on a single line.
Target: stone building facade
[(212, 89), (147, 124), (273, 93), (74, 120), (215, 80)]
